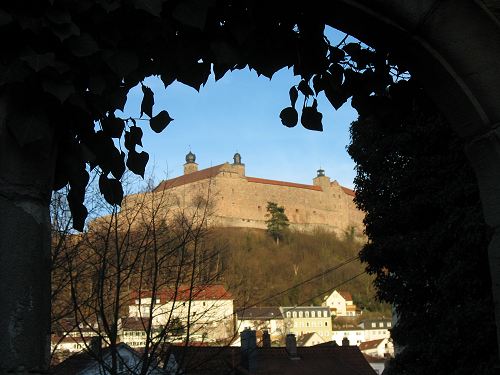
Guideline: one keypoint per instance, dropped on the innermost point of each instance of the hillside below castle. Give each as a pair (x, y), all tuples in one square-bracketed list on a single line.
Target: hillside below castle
[(240, 201)]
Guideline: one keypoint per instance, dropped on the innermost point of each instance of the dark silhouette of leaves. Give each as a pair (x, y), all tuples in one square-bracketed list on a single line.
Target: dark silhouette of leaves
[(151, 6), (194, 75), (305, 89), (334, 91), (293, 93), (78, 211), (160, 121), (318, 84), (136, 162), (113, 126), (193, 12), (289, 117), (148, 101), (336, 54), (311, 118), (111, 189), (133, 137), (83, 45)]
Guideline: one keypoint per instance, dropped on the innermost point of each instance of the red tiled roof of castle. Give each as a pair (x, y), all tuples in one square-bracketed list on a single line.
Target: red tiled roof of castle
[(283, 183), (202, 292), (348, 191), (213, 171), (189, 178)]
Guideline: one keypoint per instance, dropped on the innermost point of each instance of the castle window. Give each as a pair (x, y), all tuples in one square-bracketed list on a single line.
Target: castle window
[(259, 208), (296, 210), (314, 212)]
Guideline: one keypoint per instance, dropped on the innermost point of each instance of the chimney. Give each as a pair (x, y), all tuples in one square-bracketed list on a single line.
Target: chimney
[(291, 345), (345, 341), (266, 339), (249, 350)]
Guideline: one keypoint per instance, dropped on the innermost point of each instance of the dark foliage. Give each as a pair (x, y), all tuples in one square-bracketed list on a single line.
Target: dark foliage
[(427, 237)]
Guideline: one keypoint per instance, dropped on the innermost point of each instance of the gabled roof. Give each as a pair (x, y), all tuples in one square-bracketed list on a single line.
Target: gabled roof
[(189, 178), (312, 360), (134, 324), (345, 295), (372, 344), (259, 313), (185, 293), (303, 339)]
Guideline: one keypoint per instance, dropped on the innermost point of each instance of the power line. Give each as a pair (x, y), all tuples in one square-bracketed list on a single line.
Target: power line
[(327, 271)]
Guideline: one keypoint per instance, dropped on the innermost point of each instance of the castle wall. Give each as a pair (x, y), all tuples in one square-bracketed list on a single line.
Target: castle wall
[(239, 201)]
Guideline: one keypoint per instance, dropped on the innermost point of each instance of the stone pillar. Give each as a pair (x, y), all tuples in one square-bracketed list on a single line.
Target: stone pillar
[(484, 154), (25, 187)]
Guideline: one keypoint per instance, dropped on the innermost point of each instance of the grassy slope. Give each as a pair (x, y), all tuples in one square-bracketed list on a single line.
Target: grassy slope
[(254, 267)]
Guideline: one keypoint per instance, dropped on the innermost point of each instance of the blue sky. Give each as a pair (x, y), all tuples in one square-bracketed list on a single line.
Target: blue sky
[(240, 113)]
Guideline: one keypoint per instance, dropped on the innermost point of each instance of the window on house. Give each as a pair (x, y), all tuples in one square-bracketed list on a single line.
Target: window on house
[(389, 324), (288, 314), (381, 324), (300, 314), (307, 314), (374, 325), (294, 314), (326, 324), (313, 314)]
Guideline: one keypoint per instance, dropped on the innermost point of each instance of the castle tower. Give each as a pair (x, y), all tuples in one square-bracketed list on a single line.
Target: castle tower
[(237, 165), (321, 179), (190, 165)]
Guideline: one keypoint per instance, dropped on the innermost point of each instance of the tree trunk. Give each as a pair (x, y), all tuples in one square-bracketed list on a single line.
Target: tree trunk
[(25, 187)]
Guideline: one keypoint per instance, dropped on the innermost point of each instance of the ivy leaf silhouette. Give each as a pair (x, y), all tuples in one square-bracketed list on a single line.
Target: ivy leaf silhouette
[(78, 210), (113, 126), (160, 121), (336, 54), (136, 162), (305, 89), (294, 94), (112, 190), (311, 118), (289, 117), (318, 84), (133, 137), (148, 101)]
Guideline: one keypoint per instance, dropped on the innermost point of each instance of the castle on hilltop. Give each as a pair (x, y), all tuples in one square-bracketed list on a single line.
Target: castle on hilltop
[(241, 201)]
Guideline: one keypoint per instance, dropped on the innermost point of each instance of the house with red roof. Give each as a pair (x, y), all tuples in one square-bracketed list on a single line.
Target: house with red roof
[(206, 310), (341, 304), (381, 348)]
